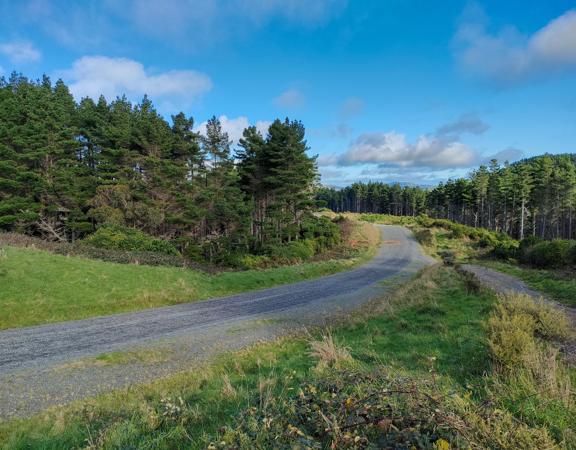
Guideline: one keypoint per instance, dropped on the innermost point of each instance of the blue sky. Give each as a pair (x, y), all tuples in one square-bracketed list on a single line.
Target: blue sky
[(396, 90)]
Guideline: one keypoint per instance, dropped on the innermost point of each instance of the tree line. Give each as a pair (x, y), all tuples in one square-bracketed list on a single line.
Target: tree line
[(67, 168), (531, 197)]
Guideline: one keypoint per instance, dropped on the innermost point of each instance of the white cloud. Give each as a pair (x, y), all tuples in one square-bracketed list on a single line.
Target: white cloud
[(235, 127), (20, 52), (93, 76), (441, 149), (392, 149), (292, 98), (508, 56)]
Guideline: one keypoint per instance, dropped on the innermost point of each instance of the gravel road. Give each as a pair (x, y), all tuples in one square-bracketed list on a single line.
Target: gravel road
[(39, 365)]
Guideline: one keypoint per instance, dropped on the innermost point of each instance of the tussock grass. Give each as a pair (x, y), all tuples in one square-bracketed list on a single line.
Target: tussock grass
[(328, 353), (529, 377)]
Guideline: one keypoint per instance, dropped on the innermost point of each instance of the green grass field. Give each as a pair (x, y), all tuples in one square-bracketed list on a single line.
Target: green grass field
[(40, 287), (433, 326)]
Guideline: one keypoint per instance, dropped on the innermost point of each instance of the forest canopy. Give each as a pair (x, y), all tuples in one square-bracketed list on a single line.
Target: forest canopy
[(68, 169)]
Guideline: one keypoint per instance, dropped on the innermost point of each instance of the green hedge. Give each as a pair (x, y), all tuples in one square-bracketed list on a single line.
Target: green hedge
[(86, 251), (115, 237)]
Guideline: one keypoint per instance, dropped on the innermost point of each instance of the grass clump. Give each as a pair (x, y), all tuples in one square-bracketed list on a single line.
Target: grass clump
[(328, 353), (529, 377)]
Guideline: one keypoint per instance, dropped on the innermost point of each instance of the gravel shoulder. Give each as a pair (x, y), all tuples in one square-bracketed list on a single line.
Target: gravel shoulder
[(54, 364)]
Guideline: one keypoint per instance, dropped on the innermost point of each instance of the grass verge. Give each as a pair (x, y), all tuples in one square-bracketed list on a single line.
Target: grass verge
[(427, 339), (39, 287), (558, 285)]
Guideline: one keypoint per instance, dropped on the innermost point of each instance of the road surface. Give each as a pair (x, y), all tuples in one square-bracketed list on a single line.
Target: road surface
[(31, 357)]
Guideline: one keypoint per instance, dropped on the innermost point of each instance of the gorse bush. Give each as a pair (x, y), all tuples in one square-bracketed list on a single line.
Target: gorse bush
[(116, 237)]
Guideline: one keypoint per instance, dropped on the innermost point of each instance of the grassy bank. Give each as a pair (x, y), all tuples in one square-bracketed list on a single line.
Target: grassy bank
[(557, 284), (40, 287), (429, 337)]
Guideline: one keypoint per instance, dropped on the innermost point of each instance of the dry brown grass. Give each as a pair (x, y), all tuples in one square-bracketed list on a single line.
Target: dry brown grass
[(329, 353), (228, 391)]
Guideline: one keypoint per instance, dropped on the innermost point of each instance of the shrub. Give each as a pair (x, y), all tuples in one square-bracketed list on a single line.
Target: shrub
[(115, 237), (425, 237), (295, 251), (549, 254), (249, 262), (504, 249), (572, 254)]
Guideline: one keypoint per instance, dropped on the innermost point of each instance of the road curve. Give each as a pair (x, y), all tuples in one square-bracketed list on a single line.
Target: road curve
[(46, 345)]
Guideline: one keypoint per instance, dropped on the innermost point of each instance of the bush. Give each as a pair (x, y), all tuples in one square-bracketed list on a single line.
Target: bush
[(504, 249), (295, 251), (425, 237), (572, 254), (115, 237), (549, 254)]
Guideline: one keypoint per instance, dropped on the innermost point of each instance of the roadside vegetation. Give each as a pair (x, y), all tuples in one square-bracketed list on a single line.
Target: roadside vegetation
[(438, 363), (39, 286), (531, 197), (546, 266)]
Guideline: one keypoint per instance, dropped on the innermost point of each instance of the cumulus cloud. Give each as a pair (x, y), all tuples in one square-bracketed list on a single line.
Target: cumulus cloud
[(392, 149), (236, 126), (20, 52), (91, 76), (441, 149), (292, 98), (509, 56)]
